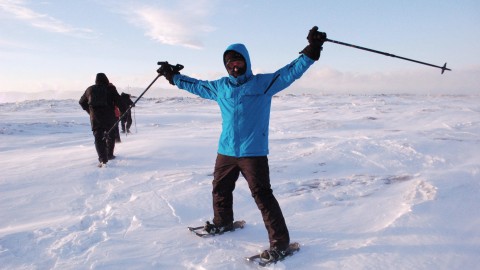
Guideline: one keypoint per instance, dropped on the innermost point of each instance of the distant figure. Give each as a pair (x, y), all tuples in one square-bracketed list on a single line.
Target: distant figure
[(99, 101), (126, 120), (245, 100)]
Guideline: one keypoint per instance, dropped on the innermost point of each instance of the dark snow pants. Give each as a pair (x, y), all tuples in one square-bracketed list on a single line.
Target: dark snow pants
[(104, 148), (256, 171)]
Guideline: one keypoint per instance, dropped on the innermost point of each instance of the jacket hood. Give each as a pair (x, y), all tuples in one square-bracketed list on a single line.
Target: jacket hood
[(241, 49), (101, 79)]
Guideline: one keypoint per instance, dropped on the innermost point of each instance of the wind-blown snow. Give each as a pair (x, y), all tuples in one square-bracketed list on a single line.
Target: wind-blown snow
[(365, 182)]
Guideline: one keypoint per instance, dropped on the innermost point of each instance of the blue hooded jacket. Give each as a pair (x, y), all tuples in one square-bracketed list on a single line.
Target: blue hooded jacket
[(245, 103)]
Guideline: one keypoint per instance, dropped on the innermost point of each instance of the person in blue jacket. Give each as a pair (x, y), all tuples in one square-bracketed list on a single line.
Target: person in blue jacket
[(245, 100)]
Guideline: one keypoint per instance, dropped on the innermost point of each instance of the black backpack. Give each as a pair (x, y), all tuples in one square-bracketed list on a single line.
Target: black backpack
[(98, 96)]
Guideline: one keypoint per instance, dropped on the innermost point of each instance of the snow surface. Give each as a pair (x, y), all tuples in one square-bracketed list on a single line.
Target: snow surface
[(365, 182)]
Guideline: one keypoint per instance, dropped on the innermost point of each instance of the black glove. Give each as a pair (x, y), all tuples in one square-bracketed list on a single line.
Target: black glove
[(315, 43), (168, 72), (316, 38)]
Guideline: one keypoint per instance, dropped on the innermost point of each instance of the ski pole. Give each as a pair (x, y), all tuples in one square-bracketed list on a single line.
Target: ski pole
[(161, 71), (388, 54), (107, 133)]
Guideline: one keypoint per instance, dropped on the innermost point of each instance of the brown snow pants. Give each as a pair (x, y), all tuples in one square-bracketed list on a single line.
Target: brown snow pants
[(256, 171)]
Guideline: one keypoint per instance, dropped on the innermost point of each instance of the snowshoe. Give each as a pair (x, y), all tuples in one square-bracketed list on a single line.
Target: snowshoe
[(210, 229), (272, 256)]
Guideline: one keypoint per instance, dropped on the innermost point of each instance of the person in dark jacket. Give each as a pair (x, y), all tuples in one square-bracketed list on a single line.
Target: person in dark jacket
[(99, 101), (245, 100), (127, 119)]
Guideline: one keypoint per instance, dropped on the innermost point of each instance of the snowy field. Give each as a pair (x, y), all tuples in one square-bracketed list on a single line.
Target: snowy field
[(365, 182)]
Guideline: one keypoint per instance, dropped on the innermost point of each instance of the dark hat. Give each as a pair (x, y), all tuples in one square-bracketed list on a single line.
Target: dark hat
[(101, 79)]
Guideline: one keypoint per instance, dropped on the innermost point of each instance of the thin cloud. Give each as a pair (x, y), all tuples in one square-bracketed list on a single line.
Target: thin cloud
[(182, 26), (18, 9), (7, 44), (420, 80)]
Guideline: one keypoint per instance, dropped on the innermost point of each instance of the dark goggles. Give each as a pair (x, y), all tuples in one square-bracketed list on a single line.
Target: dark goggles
[(235, 62)]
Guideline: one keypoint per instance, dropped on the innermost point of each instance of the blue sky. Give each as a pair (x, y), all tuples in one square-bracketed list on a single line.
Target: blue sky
[(61, 45)]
